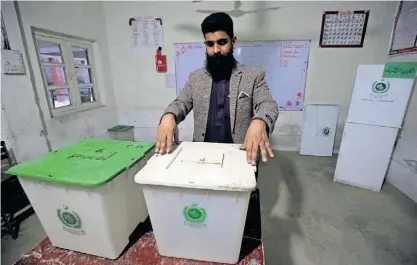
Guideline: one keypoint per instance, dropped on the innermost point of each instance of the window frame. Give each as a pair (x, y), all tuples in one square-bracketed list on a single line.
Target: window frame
[(66, 44)]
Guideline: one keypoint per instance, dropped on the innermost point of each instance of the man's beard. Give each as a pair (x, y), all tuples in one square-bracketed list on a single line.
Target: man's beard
[(220, 66)]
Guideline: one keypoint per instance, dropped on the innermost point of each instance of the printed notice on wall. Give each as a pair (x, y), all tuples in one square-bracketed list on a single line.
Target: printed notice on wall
[(404, 35), (147, 32)]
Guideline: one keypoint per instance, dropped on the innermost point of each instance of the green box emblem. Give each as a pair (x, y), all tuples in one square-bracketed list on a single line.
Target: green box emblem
[(71, 221), (194, 215)]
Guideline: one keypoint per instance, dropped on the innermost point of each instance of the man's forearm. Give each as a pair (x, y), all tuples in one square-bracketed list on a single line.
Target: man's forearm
[(169, 113), (175, 111), (266, 125)]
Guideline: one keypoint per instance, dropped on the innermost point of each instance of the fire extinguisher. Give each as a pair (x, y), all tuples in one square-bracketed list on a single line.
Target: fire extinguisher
[(160, 61)]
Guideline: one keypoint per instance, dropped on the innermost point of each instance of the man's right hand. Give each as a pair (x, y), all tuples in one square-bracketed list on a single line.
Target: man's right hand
[(167, 130)]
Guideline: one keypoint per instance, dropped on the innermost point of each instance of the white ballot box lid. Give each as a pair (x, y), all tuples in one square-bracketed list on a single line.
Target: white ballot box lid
[(200, 165)]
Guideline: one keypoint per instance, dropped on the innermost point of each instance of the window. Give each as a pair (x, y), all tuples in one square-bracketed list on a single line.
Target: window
[(68, 72)]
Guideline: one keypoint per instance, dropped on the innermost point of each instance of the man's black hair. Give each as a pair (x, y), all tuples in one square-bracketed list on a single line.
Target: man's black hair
[(216, 22)]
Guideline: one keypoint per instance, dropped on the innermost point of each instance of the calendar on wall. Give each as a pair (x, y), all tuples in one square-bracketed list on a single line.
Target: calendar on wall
[(343, 28)]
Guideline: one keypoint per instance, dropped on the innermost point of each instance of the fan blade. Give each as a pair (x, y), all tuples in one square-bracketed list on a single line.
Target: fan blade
[(208, 11), (238, 4), (261, 10)]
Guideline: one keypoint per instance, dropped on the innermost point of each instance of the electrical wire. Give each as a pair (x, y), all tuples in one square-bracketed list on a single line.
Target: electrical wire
[(4, 33)]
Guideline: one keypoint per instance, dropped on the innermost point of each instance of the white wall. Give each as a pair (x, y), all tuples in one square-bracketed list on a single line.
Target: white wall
[(127, 78), (141, 94), (21, 119), (21, 125)]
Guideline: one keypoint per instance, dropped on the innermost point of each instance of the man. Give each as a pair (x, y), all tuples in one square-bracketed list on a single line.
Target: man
[(231, 101)]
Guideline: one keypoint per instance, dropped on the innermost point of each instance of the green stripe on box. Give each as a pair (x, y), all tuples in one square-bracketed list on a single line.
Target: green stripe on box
[(405, 70)]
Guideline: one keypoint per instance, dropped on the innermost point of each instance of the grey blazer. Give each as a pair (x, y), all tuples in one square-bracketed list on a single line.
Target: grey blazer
[(250, 99)]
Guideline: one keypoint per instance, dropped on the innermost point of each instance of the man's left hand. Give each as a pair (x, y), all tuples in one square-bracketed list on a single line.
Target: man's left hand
[(256, 137)]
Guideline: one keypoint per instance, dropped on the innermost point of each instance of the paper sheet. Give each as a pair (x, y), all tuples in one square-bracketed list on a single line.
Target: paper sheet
[(404, 35), (147, 32)]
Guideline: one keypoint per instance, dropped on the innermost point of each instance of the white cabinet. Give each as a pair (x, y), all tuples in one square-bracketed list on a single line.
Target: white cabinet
[(319, 129), (364, 155)]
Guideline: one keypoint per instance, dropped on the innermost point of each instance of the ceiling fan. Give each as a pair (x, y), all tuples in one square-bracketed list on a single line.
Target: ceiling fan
[(236, 12), (258, 20)]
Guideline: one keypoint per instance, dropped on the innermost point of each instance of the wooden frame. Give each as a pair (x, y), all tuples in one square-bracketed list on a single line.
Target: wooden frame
[(344, 45), (66, 43)]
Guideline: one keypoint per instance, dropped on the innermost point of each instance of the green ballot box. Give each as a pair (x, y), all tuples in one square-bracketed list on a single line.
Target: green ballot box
[(85, 195)]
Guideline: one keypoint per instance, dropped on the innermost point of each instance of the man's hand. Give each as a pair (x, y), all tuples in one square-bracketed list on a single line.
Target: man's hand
[(256, 137), (167, 130)]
